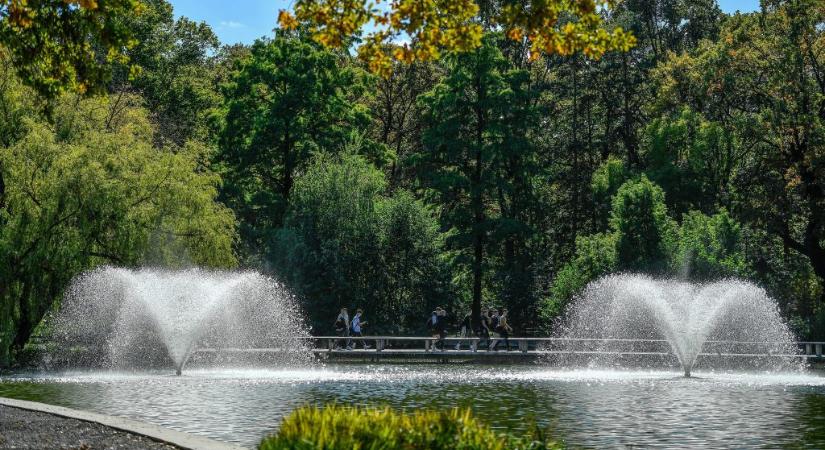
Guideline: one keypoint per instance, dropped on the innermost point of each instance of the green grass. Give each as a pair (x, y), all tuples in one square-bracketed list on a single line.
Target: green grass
[(348, 428)]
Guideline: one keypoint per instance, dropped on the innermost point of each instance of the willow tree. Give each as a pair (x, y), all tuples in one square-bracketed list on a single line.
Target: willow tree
[(91, 189)]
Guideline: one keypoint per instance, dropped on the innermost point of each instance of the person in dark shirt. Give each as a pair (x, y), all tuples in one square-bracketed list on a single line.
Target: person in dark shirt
[(441, 328), (484, 328)]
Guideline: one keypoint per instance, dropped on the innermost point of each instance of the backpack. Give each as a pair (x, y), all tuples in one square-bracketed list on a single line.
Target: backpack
[(339, 324)]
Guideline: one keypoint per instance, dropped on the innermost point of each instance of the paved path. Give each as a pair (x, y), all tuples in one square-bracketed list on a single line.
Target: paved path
[(32, 425), (29, 430)]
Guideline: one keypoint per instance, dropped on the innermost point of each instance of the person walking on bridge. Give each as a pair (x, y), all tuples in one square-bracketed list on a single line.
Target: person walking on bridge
[(342, 329), (432, 324), (484, 328), (441, 328), (493, 343), (504, 329), (356, 328), (465, 329)]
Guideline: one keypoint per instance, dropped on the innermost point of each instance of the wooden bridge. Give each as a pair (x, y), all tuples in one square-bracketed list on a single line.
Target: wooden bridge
[(375, 348)]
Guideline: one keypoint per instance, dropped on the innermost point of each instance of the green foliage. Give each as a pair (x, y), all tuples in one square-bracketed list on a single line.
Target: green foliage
[(478, 164), (644, 238), (711, 247), (288, 100), (645, 233), (17, 102), (66, 44), (691, 159), (345, 243), (335, 427), (605, 182), (595, 256), (91, 189), (177, 76)]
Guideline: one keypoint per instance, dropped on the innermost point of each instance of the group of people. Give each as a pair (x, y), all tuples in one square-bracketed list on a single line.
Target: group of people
[(347, 329), (493, 328)]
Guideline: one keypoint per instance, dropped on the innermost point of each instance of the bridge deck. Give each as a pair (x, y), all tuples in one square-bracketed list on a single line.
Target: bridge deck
[(528, 347)]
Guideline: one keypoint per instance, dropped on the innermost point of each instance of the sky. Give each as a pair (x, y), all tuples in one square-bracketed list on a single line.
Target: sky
[(246, 20)]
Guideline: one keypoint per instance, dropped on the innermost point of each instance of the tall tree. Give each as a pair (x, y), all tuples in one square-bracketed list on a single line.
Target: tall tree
[(287, 100), (474, 155), (173, 65)]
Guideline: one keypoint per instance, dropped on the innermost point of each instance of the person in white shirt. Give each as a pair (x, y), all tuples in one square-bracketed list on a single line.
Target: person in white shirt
[(342, 328)]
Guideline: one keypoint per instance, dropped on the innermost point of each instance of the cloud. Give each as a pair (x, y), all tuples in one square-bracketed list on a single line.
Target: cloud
[(231, 24)]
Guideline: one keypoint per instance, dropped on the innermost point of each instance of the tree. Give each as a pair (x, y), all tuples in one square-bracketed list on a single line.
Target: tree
[(693, 160), (288, 99), (711, 247), (398, 115), (475, 162), (645, 232), (763, 81), (91, 189), (551, 27), (347, 244), (177, 75), (57, 45), (642, 238)]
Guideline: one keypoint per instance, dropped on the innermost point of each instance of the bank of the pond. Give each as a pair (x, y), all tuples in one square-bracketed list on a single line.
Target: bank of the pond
[(32, 425)]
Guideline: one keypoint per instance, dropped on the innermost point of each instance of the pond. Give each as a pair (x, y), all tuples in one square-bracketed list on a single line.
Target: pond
[(584, 408)]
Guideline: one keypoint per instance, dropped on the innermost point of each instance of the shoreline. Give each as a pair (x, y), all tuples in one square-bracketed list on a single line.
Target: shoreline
[(73, 427)]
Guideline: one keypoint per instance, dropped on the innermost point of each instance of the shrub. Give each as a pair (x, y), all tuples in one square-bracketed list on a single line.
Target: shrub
[(347, 428)]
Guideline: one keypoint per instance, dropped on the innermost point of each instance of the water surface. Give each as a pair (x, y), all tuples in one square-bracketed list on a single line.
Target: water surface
[(584, 408)]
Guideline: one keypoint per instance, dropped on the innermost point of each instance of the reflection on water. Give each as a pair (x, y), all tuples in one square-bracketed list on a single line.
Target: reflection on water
[(595, 409)]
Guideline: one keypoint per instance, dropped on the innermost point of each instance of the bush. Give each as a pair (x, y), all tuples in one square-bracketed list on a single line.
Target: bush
[(346, 428)]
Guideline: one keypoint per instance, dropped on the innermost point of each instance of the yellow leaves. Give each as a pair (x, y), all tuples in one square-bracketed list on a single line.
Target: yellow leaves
[(436, 26), (88, 4), (20, 15), (286, 20)]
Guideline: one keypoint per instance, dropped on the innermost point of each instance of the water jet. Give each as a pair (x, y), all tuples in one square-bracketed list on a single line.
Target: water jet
[(726, 317), (151, 317)]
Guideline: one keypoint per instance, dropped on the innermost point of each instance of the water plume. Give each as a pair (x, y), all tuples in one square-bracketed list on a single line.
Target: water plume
[(146, 317), (732, 319)]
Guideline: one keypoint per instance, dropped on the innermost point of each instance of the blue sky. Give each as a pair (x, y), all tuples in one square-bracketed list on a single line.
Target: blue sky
[(246, 20)]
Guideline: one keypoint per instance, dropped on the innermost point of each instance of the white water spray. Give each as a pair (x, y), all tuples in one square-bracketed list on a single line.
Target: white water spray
[(132, 318), (729, 317)]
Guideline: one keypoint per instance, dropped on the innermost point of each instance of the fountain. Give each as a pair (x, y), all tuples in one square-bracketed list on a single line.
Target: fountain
[(134, 318), (731, 318)]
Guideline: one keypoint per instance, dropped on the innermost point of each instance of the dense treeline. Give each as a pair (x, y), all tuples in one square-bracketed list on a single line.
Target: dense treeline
[(484, 178)]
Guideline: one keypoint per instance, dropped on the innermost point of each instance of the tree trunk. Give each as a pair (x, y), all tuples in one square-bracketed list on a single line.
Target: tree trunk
[(476, 192), (25, 325)]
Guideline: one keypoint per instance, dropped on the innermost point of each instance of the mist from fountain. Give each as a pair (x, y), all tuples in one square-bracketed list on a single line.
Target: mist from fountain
[(146, 317), (731, 318)]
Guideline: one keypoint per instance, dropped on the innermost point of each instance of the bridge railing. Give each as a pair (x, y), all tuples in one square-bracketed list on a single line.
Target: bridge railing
[(569, 345)]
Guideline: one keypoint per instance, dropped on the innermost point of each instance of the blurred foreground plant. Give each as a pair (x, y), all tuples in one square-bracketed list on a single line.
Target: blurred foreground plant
[(341, 427)]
